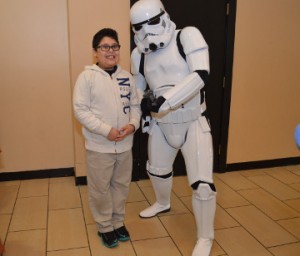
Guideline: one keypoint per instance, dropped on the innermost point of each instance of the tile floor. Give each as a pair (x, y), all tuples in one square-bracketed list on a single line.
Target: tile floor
[(258, 214)]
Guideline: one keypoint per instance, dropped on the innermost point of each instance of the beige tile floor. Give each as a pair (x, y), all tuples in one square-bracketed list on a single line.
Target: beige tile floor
[(258, 214)]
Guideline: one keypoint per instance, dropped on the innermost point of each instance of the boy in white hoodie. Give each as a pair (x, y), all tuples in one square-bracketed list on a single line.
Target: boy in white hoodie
[(106, 104)]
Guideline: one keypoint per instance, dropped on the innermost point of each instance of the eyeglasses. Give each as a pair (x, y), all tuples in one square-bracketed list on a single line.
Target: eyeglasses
[(106, 47)]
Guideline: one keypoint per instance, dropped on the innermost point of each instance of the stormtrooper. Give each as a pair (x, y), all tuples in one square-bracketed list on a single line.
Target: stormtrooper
[(171, 67)]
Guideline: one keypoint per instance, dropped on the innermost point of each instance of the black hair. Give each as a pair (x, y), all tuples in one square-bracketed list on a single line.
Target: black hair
[(103, 33)]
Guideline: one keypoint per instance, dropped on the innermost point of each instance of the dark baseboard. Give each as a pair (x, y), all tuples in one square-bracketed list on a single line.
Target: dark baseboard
[(81, 180), (263, 164), (37, 174)]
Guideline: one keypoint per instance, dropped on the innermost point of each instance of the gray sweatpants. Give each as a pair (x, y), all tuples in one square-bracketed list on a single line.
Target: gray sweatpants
[(108, 177)]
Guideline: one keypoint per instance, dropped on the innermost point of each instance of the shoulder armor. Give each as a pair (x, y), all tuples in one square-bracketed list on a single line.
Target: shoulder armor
[(192, 39)]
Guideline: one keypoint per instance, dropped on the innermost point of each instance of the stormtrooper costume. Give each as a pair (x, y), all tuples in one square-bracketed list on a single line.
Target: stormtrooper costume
[(175, 66)]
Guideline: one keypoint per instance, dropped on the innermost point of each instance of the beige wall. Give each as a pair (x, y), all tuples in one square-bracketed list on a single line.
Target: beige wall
[(46, 43), (265, 90), (35, 110)]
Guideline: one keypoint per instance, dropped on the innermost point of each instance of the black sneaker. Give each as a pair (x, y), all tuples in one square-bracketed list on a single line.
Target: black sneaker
[(122, 234), (109, 239)]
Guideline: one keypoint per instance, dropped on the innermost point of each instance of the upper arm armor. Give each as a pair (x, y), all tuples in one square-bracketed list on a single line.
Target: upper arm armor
[(195, 49)]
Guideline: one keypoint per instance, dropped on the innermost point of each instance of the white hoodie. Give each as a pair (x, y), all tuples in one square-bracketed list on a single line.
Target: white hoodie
[(101, 102)]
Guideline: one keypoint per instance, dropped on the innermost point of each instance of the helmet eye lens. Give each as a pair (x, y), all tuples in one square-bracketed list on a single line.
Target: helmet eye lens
[(137, 27), (150, 22), (154, 22)]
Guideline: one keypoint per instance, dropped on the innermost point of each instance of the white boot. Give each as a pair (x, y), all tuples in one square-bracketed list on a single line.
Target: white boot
[(162, 189), (203, 247), (204, 207)]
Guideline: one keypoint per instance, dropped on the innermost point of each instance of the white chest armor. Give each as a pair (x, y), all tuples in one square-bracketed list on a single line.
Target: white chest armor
[(163, 70), (165, 66)]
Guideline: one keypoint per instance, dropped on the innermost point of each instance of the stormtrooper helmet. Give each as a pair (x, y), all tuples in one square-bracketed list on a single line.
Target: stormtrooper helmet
[(151, 25)]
